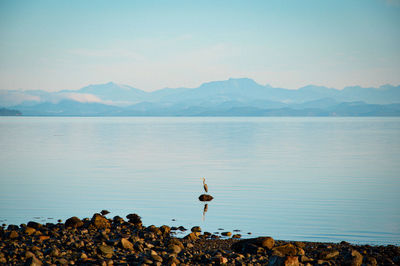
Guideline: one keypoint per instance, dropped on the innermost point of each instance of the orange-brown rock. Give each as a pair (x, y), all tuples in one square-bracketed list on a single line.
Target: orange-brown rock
[(100, 222)]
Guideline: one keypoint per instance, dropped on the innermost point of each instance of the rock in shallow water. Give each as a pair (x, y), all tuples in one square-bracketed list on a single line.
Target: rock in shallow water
[(205, 197), (104, 212), (196, 229)]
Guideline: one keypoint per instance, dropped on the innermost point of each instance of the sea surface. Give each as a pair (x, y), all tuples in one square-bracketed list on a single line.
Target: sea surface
[(308, 179)]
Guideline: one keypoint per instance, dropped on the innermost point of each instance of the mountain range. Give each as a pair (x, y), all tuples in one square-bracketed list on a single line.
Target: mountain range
[(232, 97)]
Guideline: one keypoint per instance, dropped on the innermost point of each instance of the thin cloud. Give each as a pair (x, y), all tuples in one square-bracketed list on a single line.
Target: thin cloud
[(11, 98), (80, 97)]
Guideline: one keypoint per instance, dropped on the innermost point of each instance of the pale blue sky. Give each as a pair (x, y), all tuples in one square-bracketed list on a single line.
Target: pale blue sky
[(56, 45)]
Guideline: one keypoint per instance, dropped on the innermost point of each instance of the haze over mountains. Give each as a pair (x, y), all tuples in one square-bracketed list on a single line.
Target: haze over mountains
[(233, 97)]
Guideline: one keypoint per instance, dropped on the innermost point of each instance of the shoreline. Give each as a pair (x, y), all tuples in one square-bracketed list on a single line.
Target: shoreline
[(117, 241)]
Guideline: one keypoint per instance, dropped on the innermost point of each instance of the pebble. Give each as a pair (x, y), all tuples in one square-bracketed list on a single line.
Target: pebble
[(120, 242)]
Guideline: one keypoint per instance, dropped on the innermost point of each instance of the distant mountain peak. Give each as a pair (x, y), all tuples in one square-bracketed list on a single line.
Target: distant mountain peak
[(213, 98)]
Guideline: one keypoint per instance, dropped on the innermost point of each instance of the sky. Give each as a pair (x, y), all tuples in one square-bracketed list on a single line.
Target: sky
[(55, 45)]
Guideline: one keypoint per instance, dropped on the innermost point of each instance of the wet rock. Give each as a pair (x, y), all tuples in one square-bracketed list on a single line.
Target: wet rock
[(253, 243), (226, 233), (100, 222), (237, 236), (266, 242), (165, 230), (73, 222), (287, 250), (205, 197), (134, 219), (13, 234), (154, 229), (104, 212), (128, 244), (29, 231), (34, 225), (192, 236), (12, 227), (118, 220), (196, 229), (181, 228), (207, 234)]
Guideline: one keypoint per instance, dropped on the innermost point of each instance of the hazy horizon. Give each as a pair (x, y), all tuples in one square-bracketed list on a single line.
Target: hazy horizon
[(205, 82), (53, 46)]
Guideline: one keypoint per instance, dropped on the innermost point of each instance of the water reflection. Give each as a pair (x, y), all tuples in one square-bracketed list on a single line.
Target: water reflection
[(342, 171), (204, 211)]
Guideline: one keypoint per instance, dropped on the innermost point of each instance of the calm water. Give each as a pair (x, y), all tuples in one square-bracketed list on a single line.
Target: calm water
[(316, 179)]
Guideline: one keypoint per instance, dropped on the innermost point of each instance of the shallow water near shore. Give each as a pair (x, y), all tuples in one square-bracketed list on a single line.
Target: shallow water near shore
[(308, 179)]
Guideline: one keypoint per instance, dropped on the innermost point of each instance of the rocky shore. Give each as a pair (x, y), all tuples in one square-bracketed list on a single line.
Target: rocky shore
[(118, 241)]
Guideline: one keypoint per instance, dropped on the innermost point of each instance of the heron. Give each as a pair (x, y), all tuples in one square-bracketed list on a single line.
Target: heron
[(205, 185)]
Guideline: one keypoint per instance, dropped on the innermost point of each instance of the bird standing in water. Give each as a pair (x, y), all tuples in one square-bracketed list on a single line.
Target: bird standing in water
[(205, 185)]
